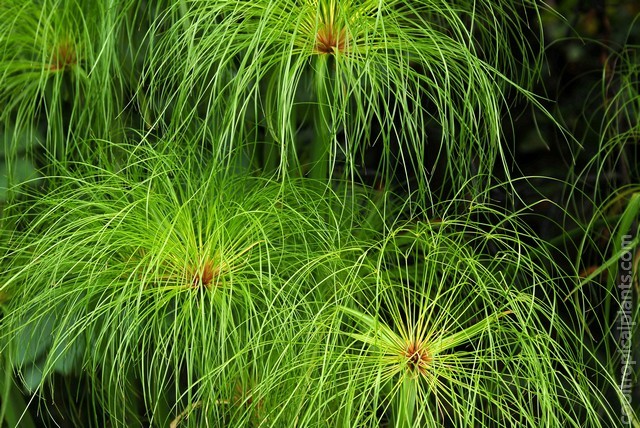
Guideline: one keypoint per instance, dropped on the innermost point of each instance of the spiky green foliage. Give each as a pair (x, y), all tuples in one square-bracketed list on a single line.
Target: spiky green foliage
[(447, 333), (65, 70), (426, 81), (230, 268), (607, 196), (168, 274), (205, 298)]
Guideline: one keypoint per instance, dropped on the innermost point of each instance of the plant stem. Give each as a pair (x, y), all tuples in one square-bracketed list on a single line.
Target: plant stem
[(406, 403), (322, 122)]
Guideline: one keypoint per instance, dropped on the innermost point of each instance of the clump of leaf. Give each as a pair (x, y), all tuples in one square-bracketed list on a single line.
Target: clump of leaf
[(61, 71), (454, 323), (423, 81), (165, 279)]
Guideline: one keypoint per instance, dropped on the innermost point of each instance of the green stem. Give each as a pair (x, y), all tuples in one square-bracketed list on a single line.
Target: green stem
[(270, 154), (322, 122), (184, 10), (406, 403), (13, 410)]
